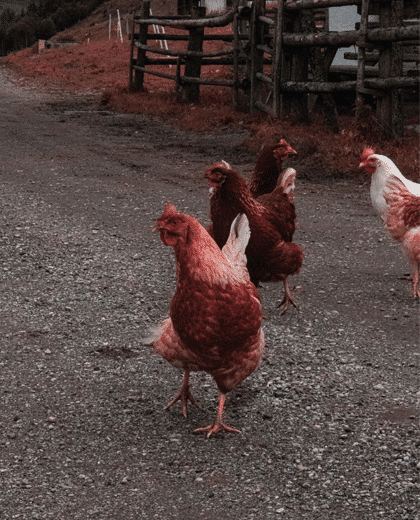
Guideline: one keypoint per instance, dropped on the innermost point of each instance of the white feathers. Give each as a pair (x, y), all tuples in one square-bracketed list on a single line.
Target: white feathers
[(386, 170), (234, 249), (288, 182), (155, 331)]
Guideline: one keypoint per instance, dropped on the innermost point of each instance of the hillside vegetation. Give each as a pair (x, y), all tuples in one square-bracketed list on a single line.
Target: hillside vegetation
[(101, 64)]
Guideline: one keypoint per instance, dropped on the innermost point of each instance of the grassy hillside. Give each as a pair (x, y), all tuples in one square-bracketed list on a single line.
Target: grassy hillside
[(102, 65)]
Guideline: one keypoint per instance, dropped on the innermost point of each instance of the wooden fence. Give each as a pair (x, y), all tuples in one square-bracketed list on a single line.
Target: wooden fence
[(193, 58), (279, 57)]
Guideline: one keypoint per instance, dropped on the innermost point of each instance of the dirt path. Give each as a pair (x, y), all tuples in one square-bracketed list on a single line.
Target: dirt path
[(330, 422)]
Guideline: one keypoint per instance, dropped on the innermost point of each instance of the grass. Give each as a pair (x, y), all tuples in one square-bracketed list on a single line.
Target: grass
[(102, 65)]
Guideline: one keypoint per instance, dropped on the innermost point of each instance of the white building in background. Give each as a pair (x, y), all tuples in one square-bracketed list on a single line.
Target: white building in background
[(343, 19), (214, 5)]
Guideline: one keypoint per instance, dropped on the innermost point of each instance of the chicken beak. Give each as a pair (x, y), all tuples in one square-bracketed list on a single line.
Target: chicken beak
[(291, 151)]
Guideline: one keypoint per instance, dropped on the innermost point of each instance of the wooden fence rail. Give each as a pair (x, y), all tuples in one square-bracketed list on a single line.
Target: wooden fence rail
[(280, 56)]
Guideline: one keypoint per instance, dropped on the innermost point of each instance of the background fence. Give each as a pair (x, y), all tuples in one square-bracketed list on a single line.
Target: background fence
[(281, 58)]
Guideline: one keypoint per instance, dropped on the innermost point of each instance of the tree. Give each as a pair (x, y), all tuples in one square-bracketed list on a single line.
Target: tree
[(45, 29), (7, 18), (22, 34)]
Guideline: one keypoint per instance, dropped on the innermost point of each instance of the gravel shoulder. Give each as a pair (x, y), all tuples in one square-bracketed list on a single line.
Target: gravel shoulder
[(330, 421)]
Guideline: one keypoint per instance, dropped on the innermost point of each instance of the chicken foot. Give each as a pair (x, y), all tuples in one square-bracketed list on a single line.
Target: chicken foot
[(219, 425), (415, 276), (287, 299), (184, 395)]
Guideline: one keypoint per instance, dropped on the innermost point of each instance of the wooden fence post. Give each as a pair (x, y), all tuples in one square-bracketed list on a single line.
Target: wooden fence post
[(361, 59), (297, 103), (191, 91), (278, 60), (137, 82), (389, 105), (257, 56), (397, 17), (235, 61), (325, 100)]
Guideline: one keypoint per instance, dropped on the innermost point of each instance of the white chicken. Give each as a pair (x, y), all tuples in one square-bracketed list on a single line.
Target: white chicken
[(403, 223), (383, 169)]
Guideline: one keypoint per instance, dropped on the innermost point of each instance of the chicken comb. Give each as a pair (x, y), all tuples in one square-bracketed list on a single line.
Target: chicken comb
[(367, 152), (220, 165), (169, 209)]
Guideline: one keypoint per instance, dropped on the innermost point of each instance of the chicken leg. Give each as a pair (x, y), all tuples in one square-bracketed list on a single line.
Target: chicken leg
[(183, 395), (415, 276), (219, 425), (287, 298)]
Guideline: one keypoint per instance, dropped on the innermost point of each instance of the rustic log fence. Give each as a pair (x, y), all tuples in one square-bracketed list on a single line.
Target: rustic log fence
[(280, 56), (193, 58)]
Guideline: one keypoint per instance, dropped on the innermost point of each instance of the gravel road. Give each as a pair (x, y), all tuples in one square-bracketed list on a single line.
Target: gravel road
[(330, 421)]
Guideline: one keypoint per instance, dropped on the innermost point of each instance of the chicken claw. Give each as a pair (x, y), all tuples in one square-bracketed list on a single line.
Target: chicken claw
[(183, 395), (216, 428), (219, 425)]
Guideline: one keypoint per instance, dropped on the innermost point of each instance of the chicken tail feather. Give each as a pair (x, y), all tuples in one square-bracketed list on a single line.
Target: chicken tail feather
[(234, 249), (402, 209), (288, 183), (155, 332)]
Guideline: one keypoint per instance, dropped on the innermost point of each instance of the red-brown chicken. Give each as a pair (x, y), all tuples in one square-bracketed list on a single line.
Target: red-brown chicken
[(215, 317), (403, 223), (271, 254), (268, 168)]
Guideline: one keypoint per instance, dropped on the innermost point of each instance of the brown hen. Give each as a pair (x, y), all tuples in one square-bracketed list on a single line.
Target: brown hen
[(271, 254), (215, 317)]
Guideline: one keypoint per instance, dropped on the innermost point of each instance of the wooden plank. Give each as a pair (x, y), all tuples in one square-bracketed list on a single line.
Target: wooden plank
[(266, 20), (298, 102), (264, 108), (278, 60), (141, 54), (266, 79), (131, 70), (397, 122), (372, 57), (339, 86), (206, 81), (348, 38), (202, 22), (411, 8), (311, 4), (351, 70), (257, 56), (204, 62), (184, 37), (183, 54), (386, 83), (191, 91), (266, 49), (236, 62), (154, 72), (361, 57)]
